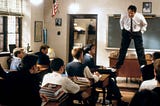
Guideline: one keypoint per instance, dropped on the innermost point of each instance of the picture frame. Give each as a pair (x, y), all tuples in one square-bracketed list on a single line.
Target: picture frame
[(38, 30), (147, 7), (58, 22)]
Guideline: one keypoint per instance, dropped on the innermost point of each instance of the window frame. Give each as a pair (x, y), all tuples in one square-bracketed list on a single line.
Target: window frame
[(5, 33)]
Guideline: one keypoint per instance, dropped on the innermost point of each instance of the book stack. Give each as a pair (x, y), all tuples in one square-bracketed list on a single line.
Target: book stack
[(53, 92)]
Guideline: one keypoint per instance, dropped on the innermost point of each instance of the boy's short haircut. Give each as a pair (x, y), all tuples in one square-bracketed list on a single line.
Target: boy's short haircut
[(43, 47), (56, 64), (76, 52), (17, 51), (28, 61)]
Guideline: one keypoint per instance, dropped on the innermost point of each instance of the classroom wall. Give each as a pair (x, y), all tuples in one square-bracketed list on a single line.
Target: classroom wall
[(32, 12), (102, 8)]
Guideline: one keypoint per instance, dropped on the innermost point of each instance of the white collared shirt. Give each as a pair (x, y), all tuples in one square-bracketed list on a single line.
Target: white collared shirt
[(87, 73), (138, 22), (56, 78), (148, 84), (15, 63), (89, 55)]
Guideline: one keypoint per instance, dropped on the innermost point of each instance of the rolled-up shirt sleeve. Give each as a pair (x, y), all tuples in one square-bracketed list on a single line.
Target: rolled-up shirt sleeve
[(144, 24), (88, 74), (70, 86), (121, 22)]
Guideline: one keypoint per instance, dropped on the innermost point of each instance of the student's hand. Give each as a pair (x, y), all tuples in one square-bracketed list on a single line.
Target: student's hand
[(96, 73)]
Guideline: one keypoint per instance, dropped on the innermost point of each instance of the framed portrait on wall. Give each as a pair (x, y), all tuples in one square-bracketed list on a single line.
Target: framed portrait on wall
[(38, 30), (147, 7), (58, 22)]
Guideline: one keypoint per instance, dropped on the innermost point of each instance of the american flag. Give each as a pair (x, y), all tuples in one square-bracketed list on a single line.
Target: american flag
[(54, 8)]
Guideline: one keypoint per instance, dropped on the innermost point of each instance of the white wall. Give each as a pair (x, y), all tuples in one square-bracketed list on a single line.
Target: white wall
[(102, 8), (32, 12)]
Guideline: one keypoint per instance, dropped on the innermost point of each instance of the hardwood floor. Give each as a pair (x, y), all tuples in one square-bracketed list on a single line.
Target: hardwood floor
[(127, 88)]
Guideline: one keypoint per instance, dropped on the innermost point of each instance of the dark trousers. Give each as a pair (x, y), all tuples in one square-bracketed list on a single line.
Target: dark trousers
[(125, 42), (113, 92)]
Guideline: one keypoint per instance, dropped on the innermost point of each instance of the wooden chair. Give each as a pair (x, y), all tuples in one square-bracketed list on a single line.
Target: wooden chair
[(102, 85)]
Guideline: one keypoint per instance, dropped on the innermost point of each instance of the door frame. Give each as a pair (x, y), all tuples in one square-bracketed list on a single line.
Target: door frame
[(71, 30)]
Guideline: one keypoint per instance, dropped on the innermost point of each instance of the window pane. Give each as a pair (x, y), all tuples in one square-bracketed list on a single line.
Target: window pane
[(13, 35), (1, 24), (11, 6), (11, 24), (11, 39), (3, 5), (1, 42)]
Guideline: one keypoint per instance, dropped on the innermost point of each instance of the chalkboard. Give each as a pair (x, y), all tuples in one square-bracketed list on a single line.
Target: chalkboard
[(151, 38)]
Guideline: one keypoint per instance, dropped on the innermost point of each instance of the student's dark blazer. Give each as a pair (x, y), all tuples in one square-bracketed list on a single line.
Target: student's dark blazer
[(43, 59), (75, 69), (19, 88), (89, 61), (148, 72)]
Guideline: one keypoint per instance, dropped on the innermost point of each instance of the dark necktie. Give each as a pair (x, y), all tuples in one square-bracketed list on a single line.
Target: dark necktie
[(131, 26)]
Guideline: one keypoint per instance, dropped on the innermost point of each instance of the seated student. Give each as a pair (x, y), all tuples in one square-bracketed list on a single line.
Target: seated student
[(145, 98), (20, 88), (157, 76), (57, 67), (76, 68), (152, 83), (148, 70), (88, 60), (43, 58), (113, 91), (56, 77), (43, 61), (18, 54)]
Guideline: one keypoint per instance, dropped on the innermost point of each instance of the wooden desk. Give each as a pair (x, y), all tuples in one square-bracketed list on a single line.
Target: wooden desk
[(130, 68), (103, 83), (42, 67), (85, 87)]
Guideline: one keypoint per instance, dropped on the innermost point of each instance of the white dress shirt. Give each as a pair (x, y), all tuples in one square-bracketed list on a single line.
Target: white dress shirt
[(15, 63), (138, 24), (56, 78), (87, 73), (148, 84)]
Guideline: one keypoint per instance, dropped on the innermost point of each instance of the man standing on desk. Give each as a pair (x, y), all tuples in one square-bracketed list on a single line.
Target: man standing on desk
[(133, 25)]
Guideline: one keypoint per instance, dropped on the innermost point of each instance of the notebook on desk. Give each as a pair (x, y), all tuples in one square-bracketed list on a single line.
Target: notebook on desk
[(82, 81)]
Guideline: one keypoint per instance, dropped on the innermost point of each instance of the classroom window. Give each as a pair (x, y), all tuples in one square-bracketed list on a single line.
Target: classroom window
[(1, 33), (10, 32), (13, 36), (10, 23)]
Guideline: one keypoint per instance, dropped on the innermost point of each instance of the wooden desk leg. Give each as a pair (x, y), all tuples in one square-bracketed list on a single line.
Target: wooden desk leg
[(126, 79), (104, 97)]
